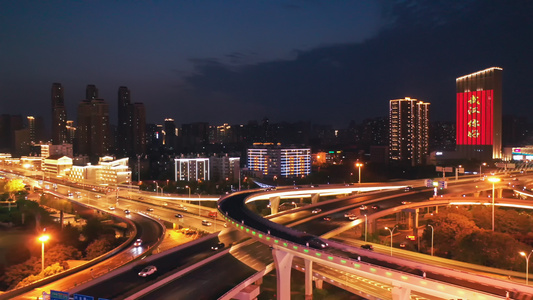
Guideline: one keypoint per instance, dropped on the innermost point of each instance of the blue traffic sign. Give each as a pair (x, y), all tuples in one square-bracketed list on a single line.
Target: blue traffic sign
[(82, 297), (58, 295)]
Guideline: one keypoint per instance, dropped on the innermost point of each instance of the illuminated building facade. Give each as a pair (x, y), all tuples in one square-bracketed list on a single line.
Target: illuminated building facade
[(479, 114), (57, 166), (273, 160), (408, 131), (108, 172), (59, 115), (191, 169)]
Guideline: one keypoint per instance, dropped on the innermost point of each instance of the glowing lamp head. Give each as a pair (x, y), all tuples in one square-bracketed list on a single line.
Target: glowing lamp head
[(386, 227), (522, 253), (44, 238), (494, 179)]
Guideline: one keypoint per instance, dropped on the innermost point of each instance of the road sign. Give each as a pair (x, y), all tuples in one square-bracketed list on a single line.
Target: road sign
[(438, 169), (429, 183), (82, 297), (58, 295), (443, 184), (448, 169)]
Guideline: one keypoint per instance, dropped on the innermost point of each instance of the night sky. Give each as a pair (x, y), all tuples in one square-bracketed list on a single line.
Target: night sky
[(327, 62)]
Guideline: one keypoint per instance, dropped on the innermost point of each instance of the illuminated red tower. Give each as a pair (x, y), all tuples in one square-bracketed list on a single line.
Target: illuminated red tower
[(479, 114)]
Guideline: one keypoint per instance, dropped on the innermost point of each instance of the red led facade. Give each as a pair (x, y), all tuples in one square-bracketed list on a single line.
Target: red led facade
[(475, 122)]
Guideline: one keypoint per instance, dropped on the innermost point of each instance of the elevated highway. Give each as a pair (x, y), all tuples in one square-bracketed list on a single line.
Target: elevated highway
[(287, 244)]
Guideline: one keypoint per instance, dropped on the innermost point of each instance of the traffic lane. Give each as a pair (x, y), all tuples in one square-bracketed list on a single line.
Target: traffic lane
[(148, 230), (203, 283), (129, 281)]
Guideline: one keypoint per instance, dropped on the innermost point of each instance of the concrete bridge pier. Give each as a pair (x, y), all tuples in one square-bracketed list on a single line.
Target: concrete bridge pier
[(274, 205), (283, 262), (315, 198), (308, 279), (400, 292)]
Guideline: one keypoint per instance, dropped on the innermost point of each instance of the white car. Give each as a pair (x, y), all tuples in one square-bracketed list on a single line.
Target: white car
[(111, 208), (206, 223), (138, 243), (147, 271), (316, 210)]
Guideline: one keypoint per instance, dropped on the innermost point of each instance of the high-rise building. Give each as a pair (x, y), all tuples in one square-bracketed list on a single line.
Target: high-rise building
[(170, 134), (274, 160), (131, 129), (408, 131), (31, 129), (93, 126), (479, 114), (91, 92), (139, 128), (59, 115), (71, 132), (124, 128)]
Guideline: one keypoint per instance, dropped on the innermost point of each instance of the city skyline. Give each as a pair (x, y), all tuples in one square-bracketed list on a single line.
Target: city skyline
[(288, 61)]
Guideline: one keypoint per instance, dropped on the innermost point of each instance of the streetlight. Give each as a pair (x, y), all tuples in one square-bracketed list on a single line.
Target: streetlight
[(366, 226), (493, 180), (432, 235), (359, 165), (483, 164), (527, 264), (42, 239), (188, 187), (391, 231)]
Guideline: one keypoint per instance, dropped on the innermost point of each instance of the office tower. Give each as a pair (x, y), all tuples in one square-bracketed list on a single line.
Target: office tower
[(59, 115), (170, 134), (125, 122), (479, 114), (408, 131), (91, 92), (139, 128), (93, 126)]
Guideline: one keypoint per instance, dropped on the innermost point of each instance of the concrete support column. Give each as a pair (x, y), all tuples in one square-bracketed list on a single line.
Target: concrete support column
[(314, 198), (308, 278), (400, 292), (283, 262), (409, 220), (274, 205), (319, 283)]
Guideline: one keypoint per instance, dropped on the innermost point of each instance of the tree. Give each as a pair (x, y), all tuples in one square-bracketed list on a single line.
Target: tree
[(98, 247), (48, 271), (13, 186), (450, 226), (491, 249)]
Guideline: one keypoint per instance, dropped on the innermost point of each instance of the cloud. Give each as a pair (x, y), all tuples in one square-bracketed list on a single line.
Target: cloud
[(420, 55)]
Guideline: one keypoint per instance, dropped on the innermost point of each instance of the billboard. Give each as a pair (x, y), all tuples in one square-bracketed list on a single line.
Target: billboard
[(475, 118)]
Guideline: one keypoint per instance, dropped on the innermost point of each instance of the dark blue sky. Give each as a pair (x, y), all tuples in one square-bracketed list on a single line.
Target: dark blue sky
[(328, 62)]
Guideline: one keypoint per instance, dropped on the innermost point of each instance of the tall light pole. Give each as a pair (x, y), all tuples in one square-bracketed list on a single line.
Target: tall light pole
[(391, 231), (188, 187), (359, 165), (366, 226), (527, 264), (483, 164), (493, 180), (432, 235), (43, 239)]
